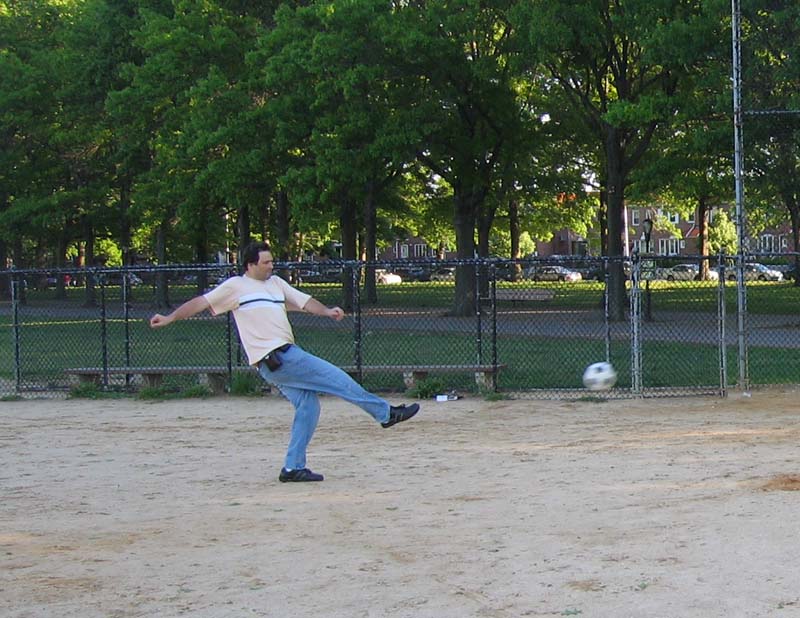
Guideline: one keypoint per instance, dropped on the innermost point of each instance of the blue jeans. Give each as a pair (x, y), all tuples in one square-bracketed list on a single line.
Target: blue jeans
[(300, 378)]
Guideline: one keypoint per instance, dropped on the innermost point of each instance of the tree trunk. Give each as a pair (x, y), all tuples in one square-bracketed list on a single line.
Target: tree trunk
[(242, 231), (793, 206), (90, 296), (162, 283), (702, 236), (283, 225), (370, 242), (513, 229), (201, 253), (128, 257), (5, 282), (61, 259), (485, 220), (615, 176), (464, 224), (348, 225)]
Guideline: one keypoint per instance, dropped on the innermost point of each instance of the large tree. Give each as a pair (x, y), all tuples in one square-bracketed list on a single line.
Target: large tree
[(623, 65)]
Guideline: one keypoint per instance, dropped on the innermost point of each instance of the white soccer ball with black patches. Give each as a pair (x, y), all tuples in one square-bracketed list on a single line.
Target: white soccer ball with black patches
[(599, 376)]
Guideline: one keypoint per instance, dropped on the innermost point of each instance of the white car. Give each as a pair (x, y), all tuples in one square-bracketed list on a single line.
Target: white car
[(687, 272), (385, 277), (552, 273), (756, 272)]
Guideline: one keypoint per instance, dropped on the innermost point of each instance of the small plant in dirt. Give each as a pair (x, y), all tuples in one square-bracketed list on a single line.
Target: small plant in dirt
[(427, 388), (246, 385), (90, 390)]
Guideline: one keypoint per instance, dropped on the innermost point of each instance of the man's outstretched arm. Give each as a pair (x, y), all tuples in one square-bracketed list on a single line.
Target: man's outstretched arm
[(186, 310), (317, 308)]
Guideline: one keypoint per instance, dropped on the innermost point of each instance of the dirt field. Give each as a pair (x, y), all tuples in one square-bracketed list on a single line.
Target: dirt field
[(661, 508)]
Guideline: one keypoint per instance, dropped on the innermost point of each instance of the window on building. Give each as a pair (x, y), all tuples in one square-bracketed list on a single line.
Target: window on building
[(669, 246), (420, 250), (635, 216), (404, 250), (674, 218), (768, 243)]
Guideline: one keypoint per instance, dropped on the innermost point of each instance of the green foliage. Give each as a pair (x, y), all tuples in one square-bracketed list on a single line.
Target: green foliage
[(89, 390), (246, 384), (722, 234), (427, 388), (169, 128), (160, 393)]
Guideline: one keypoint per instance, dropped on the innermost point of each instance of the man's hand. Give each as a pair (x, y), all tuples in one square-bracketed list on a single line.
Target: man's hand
[(186, 310), (159, 320), (336, 313)]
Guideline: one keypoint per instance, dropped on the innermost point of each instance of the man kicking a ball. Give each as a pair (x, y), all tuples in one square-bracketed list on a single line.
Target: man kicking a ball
[(259, 302)]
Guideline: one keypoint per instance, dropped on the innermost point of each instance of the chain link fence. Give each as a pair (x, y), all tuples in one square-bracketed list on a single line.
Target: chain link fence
[(523, 328)]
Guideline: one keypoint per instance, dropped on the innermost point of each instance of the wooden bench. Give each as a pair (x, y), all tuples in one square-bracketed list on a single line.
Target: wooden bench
[(154, 376), (217, 376), (522, 295), (413, 373)]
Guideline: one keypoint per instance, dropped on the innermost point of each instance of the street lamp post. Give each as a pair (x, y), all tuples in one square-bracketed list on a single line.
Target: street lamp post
[(647, 228)]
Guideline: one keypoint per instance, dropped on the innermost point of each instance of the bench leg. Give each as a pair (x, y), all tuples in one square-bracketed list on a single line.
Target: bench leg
[(216, 382), (410, 378), (152, 380), (85, 378), (484, 379)]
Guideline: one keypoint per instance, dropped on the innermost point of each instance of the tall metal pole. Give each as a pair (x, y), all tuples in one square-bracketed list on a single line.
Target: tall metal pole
[(741, 294)]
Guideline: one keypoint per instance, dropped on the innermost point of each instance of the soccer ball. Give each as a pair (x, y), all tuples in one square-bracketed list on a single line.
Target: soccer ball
[(599, 377)]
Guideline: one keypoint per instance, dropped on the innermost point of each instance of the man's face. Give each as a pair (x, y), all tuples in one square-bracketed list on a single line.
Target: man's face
[(263, 270)]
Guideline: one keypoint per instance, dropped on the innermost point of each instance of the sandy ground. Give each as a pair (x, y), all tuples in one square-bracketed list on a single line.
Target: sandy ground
[(659, 508)]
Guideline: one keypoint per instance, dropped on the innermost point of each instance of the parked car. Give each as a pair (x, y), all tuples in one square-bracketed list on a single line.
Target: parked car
[(413, 273), (756, 272), (687, 272), (444, 274), (791, 273), (117, 278), (383, 276), (322, 274), (552, 273)]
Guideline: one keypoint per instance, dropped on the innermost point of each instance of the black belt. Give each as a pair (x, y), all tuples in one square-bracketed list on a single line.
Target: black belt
[(272, 360)]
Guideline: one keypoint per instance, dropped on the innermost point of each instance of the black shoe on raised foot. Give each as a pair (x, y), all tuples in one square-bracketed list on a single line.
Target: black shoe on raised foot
[(298, 476), (398, 414)]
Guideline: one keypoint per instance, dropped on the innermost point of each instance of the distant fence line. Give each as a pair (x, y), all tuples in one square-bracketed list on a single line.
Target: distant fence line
[(537, 323)]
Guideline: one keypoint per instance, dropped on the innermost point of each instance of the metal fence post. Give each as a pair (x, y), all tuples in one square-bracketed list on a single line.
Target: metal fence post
[(229, 345), (476, 299), (104, 331), (741, 312), (357, 323), (127, 323), (606, 309), (493, 308), (721, 317), (16, 333), (636, 324)]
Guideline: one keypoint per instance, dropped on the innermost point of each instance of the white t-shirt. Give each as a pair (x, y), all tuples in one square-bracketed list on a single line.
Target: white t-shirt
[(259, 308)]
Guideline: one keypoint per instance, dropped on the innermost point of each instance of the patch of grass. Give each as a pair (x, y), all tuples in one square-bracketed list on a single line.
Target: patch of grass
[(494, 395), (161, 393), (246, 384), (11, 398), (88, 390), (427, 388)]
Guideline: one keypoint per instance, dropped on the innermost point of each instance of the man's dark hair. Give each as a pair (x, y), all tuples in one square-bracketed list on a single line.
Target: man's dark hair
[(251, 251)]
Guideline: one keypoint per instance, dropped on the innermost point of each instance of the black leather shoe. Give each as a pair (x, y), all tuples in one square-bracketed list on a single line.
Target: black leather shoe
[(398, 414), (298, 476)]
